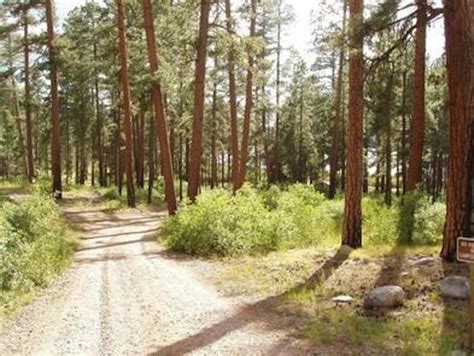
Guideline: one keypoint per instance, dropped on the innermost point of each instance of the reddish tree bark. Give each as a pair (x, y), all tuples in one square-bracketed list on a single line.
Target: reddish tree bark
[(55, 119), (418, 128), (459, 54), (199, 92), (352, 228), (166, 159), (127, 107)]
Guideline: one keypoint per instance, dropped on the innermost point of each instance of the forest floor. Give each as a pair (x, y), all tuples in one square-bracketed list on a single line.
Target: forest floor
[(125, 295)]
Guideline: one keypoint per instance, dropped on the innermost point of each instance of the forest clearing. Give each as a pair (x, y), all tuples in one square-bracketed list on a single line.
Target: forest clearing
[(199, 177)]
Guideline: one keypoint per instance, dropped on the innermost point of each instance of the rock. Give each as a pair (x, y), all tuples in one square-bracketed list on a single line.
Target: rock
[(459, 353), (343, 299), (455, 287), (425, 261), (385, 297)]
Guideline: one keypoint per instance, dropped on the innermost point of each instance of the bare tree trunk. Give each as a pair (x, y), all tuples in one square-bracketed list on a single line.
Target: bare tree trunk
[(16, 110), (166, 159), (276, 175), (199, 93), (151, 158), (248, 101), (404, 133), (127, 107), (352, 230), (214, 134), (29, 135), (55, 119), (234, 139), (459, 53), (98, 116), (417, 140), (388, 141), (336, 130)]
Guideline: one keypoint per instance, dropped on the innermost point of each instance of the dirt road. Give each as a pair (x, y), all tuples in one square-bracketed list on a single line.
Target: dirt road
[(124, 295)]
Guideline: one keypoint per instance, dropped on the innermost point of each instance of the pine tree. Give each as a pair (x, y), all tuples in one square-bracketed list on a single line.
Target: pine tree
[(352, 226), (127, 109), (55, 118), (166, 159), (199, 93), (459, 53)]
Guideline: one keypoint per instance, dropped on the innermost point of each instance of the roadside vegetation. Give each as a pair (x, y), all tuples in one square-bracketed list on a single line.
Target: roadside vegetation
[(281, 245), (35, 246), (254, 221)]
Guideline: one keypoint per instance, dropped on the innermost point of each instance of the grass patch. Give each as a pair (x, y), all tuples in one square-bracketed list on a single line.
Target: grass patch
[(418, 335)]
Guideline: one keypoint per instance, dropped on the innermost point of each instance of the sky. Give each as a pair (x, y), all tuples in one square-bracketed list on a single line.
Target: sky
[(298, 33)]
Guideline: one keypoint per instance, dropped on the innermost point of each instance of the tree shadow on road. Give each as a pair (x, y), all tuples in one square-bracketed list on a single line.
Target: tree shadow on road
[(257, 312)]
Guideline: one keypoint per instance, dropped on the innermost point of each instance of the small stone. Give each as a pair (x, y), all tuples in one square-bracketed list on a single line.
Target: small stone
[(343, 299), (425, 261), (385, 297), (455, 287), (459, 353)]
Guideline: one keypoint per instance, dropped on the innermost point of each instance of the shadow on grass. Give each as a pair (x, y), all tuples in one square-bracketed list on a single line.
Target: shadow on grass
[(252, 313), (455, 320)]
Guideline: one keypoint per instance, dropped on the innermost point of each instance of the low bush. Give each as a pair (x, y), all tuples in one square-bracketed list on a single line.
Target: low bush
[(255, 221), (222, 224), (35, 244)]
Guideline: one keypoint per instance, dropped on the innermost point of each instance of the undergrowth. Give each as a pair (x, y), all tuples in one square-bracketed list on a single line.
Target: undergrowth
[(259, 221), (35, 246)]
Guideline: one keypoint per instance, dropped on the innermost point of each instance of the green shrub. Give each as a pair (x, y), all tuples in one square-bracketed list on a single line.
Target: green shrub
[(254, 221), (380, 222), (271, 197), (429, 223), (112, 194), (34, 243), (220, 224)]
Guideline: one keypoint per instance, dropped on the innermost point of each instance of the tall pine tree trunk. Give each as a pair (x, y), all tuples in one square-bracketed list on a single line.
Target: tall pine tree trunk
[(127, 107), (234, 136), (352, 228), (404, 133), (388, 140), (55, 119), (214, 133), (459, 47), (277, 169), (417, 139), (16, 109), (248, 101), (166, 159), (29, 129), (199, 93), (336, 129)]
